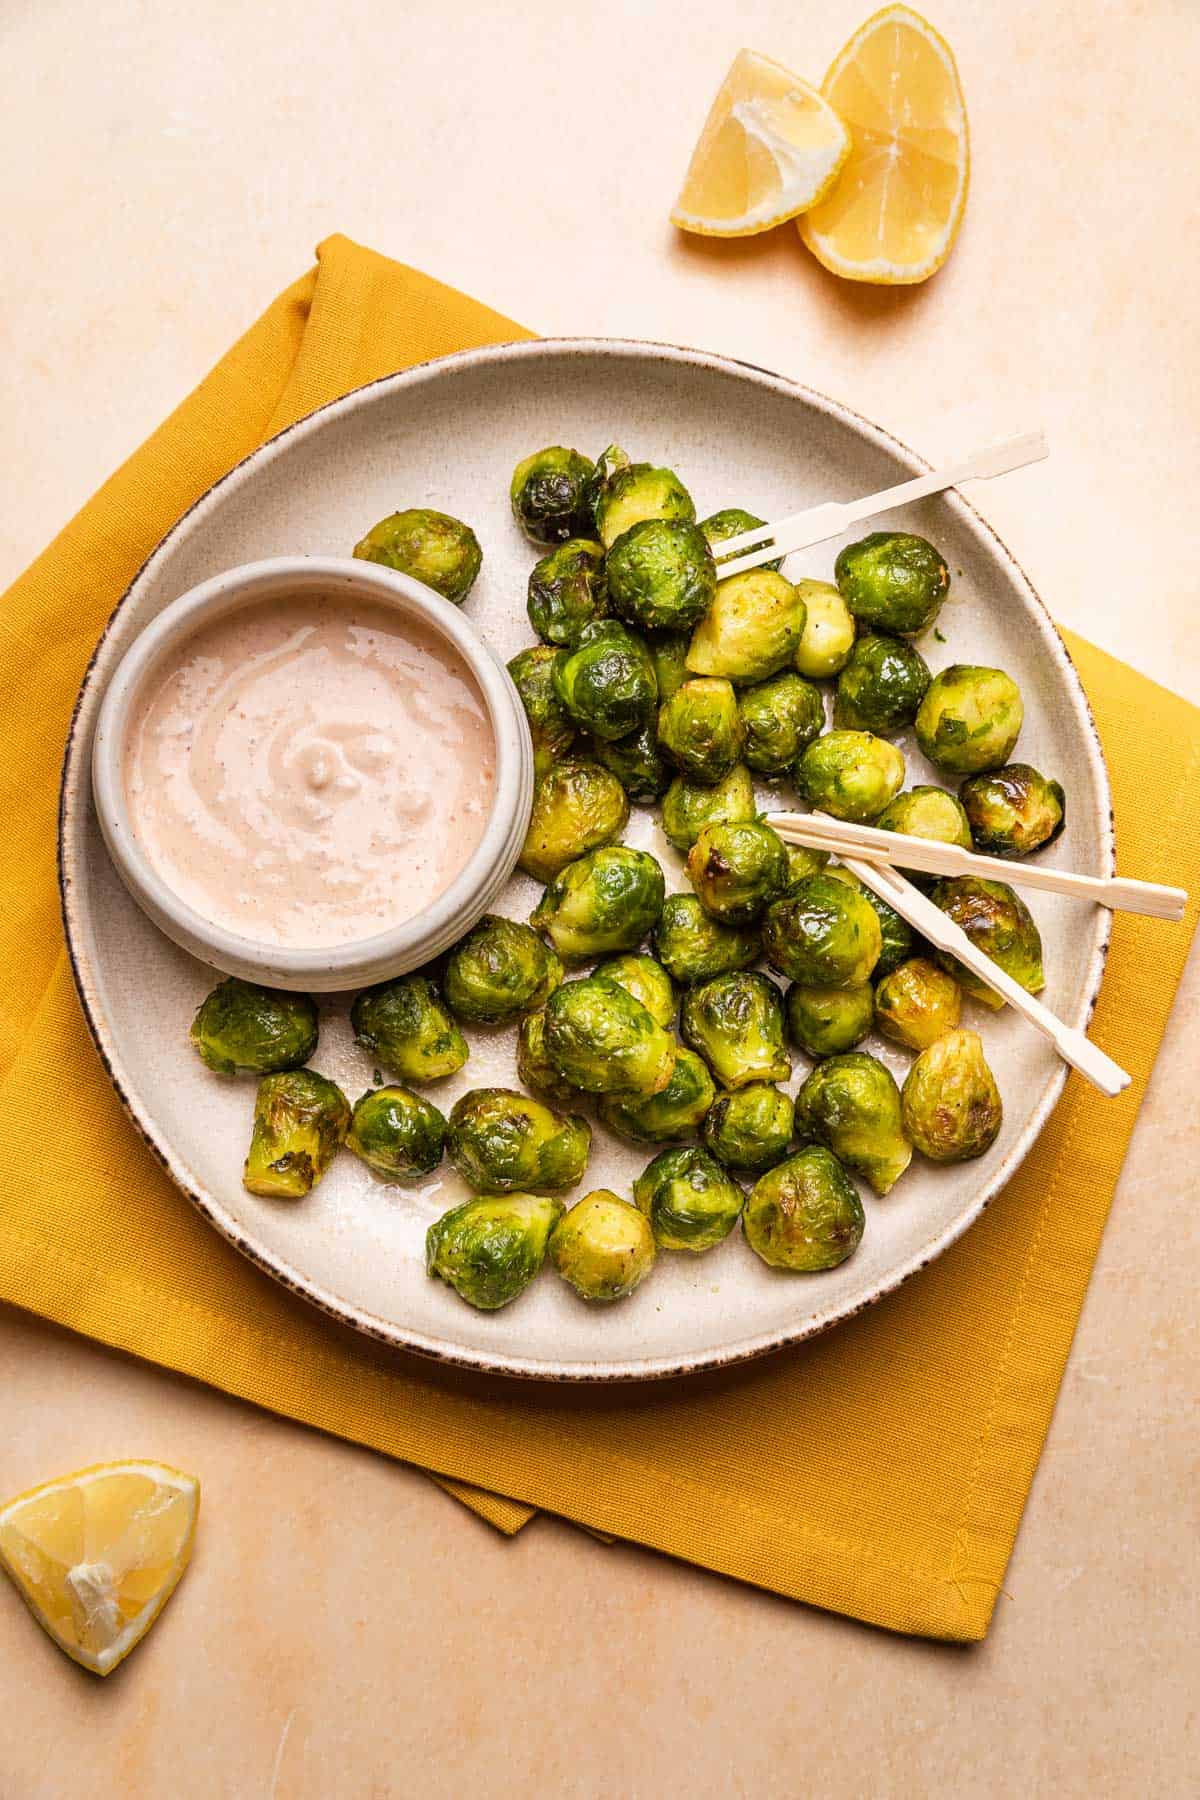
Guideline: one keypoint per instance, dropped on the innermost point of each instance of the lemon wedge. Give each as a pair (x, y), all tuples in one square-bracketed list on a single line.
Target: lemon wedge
[(770, 147), (895, 211), (96, 1555)]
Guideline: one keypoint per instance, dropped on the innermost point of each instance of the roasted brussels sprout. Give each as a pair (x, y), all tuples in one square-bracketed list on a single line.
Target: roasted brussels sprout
[(999, 923), (751, 630), (645, 979), (730, 523), (950, 1102), (550, 724), (750, 1130), (498, 971), (637, 763), (829, 629), (609, 464), (534, 1067), (850, 774), (577, 806), (300, 1124), (851, 1104), (701, 730), (1013, 810), (804, 1215), (917, 1004), (490, 1248), (692, 947), (927, 812), (604, 1041), (258, 1029), (802, 861), (822, 933), (661, 575), (404, 1025), (607, 683), (632, 493), (604, 1247), (737, 870), (780, 718), (549, 493), (668, 653), (690, 1201), (500, 1140), (396, 1133), (969, 719), (670, 1117), (899, 940), (881, 686), (688, 806), (433, 547), (603, 902), (893, 581), (828, 1021), (567, 590), (736, 1023)]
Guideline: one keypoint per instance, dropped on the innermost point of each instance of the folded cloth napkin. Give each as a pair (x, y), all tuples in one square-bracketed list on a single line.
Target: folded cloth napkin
[(879, 1470)]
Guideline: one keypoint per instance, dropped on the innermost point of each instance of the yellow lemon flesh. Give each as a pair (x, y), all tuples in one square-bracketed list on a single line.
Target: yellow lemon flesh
[(895, 211), (770, 147), (96, 1555)]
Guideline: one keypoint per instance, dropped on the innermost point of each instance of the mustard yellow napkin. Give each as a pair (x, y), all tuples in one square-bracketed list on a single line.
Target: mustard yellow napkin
[(880, 1470)]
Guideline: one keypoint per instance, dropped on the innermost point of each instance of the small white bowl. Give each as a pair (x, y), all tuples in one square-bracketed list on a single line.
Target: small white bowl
[(331, 967)]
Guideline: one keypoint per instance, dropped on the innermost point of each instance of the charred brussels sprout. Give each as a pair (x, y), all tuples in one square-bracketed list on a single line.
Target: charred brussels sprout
[(969, 719), (736, 1023), (260, 1030), (690, 1201), (852, 1105), (803, 862), (951, 1105), (668, 653), (577, 806), (701, 730), (637, 763), (604, 902), (300, 1124), (688, 806), (850, 774), (661, 575), (549, 495), (829, 629), (927, 812), (550, 724), (804, 1215), (607, 683), (730, 523), (693, 947), (499, 970), (827, 1021), (881, 686), (1013, 810), (917, 1004), (396, 1133), (750, 1130), (751, 630), (645, 979), (823, 934), (404, 1025), (603, 1041), (432, 547), (893, 581), (669, 1117), (603, 1247), (567, 590), (999, 923), (737, 870), (780, 718), (633, 493), (500, 1141), (534, 1067), (489, 1249)]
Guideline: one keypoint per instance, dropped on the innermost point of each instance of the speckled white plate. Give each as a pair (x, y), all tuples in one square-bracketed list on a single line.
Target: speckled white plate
[(447, 435)]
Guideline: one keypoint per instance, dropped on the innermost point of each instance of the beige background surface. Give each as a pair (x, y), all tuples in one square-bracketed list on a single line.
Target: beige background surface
[(346, 1629)]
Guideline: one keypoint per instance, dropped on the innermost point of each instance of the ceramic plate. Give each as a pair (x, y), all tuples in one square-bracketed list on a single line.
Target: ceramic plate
[(447, 435)]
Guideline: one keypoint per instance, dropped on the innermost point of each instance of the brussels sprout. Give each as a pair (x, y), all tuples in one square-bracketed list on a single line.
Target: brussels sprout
[(498, 971), (969, 719), (828, 1021), (822, 934), (804, 1215), (433, 547), (669, 1117), (951, 1105), (688, 806), (567, 590), (609, 464), (490, 1248), (603, 1247), (736, 1023), (730, 523), (577, 806), (645, 979), (750, 1130), (852, 1105), (850, 774), (828, 635), (693, 947), (1013, 810), (261, 1030), (637, 763), (780, 717), (300, 1124), (396, 1133), (802, 862), (499, 1139), (404, 1025), (607, 683), (927, 812), (999, 923), (661, 575), (603, 1041), (736, 870), (751, 630), (689, 1200), (899, 940), (917, 1004), (701, 730), (881, 686), (534, 1067), (549, 493), (603, 902), (893, 581), (668, 653), (550, 724), (634, 493)]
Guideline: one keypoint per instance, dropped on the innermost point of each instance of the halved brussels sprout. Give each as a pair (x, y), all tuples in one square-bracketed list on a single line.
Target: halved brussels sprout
[(261, 1030), (822, 933), (668, 653), (490, 1248), (550, 724), (750, 1130), (893, 581), (829, 629), (690, 1201), (730, 522), (534, 1067), (951, 1105), (780, 718), (603, 1041), (1013, 811), (405, 1027), (701, 730), (803, 862), (850, 774), (851, 1104), (300, 1124), (917, 1004), (396, 1133), (605, 901), (881, 687), (567, 590), (661, 575), (604, 1247), (827, 1021), (645, 979), (607, 683), (498, 971), (927, 812), (433, 547), (669, 1117), (688, 806), (804, 1215), (999, 923), (577, 806), (692, 947), (637, 763), (499, 1140), (632, 493), (549, 493), (737, 870), (751, 630), (736, 1023), (970, 719)]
